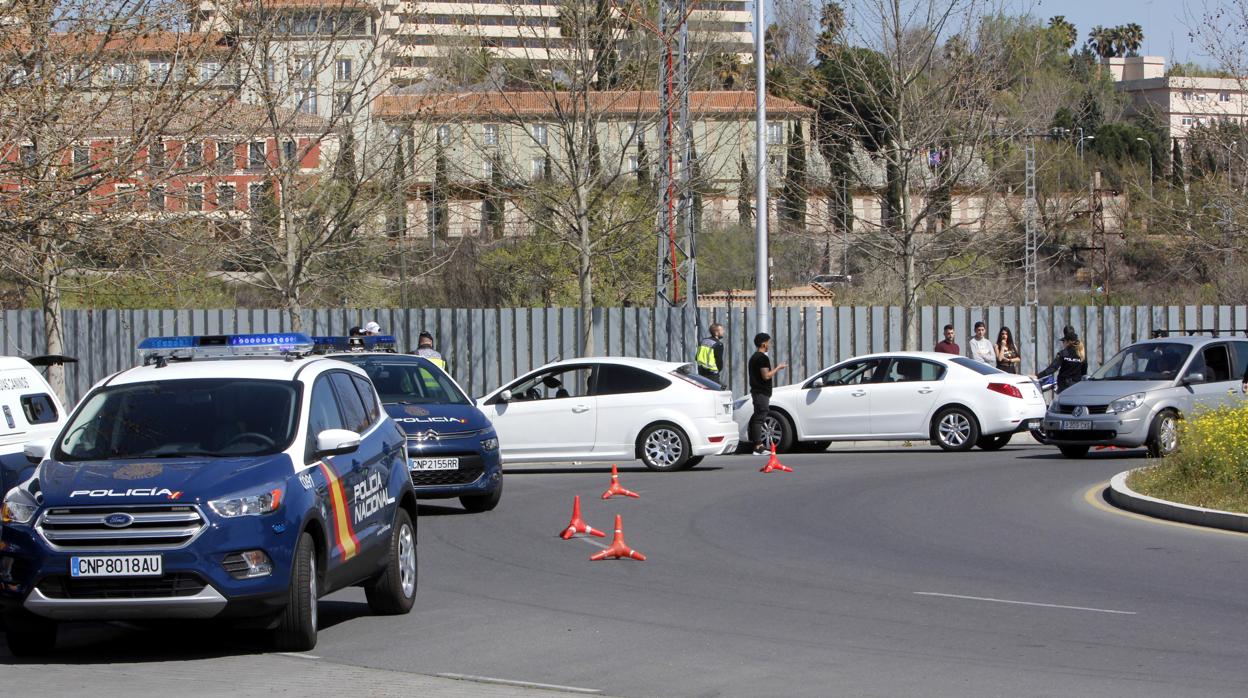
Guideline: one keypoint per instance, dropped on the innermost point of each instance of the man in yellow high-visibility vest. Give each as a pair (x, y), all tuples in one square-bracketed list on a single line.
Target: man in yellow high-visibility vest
[(425, 349), (710, 356)]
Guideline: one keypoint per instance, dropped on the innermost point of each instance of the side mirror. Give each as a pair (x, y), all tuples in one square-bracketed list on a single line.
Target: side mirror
[(504, 396), (333, 442), (1194, 377), (36, 451), (817, 383)]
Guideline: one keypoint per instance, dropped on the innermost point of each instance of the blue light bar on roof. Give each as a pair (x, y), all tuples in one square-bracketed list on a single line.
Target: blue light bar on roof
[(368, 342), (203, 346)]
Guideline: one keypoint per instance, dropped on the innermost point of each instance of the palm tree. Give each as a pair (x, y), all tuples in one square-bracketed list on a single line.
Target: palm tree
[(728, 70), (1132, 38), (1119, 40), (1065, 31), (1101, 41)]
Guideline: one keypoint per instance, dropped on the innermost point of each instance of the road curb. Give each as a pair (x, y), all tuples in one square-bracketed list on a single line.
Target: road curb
[(1122, 496)]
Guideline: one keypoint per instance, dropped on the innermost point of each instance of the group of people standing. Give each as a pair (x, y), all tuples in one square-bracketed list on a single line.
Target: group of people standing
[(1003, 353), (1070, 364)]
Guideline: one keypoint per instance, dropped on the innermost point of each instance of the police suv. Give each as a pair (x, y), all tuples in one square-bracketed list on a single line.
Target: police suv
[(228, 477), (452, 448)]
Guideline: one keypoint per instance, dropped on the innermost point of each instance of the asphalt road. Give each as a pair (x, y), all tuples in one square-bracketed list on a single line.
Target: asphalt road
[(877, 572)]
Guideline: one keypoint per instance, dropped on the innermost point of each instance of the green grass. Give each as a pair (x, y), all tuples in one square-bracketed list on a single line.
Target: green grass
[(1210, 468)]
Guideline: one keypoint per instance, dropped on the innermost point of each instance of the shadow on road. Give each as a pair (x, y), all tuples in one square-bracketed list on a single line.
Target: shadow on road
[(1093, 455), (606, 470), (131, 643)]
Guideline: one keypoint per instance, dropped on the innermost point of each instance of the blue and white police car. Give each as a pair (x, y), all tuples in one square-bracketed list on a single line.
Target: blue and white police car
[(234, 477), (452, 448)]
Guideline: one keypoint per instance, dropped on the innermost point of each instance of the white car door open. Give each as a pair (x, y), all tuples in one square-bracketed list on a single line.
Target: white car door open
[(550, 415)]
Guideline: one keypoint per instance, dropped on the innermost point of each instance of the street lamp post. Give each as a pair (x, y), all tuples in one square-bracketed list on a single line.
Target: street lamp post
[(762, 292), (1150, 165), (1083, 138)]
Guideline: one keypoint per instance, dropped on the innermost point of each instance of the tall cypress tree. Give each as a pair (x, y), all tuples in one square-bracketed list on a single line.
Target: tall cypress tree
[(1178, 175), (745, 211)]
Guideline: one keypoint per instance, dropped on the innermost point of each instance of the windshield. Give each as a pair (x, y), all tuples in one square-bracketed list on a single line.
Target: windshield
[(1154, 361), (226, 417), (409, 382)]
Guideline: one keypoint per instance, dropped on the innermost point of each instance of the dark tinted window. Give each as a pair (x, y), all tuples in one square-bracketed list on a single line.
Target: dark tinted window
[(323, 414), (977, 366), (853, 373), (353, 412), (913, 370), (183, 418), (614, 379), (408, 382), (39, 409), (369, 396), (1241, 357), (1217, 364)]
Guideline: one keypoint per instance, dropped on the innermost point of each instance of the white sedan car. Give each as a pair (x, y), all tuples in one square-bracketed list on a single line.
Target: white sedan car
[(610, 408), (952, 401)]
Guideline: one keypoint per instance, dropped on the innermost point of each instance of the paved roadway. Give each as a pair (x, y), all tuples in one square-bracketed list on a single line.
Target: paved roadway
[(869, 572)]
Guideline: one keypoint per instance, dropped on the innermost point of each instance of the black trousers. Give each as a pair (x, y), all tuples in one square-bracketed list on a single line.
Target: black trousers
[(762, 405)]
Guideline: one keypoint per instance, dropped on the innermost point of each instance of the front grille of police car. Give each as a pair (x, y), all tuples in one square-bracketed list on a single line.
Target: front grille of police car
[(420, 437), (170, 585), (156, 527), (470, 468)]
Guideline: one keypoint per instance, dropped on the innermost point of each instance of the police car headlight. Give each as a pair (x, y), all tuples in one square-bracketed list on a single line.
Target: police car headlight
[(248, 505), (19, 507), (490, 444), (1127, 403)]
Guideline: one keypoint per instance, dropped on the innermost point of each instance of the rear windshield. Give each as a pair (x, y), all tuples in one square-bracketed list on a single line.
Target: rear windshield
[(409, 382), (977, 366), (690, 372), (226, 417), (1151, 361)]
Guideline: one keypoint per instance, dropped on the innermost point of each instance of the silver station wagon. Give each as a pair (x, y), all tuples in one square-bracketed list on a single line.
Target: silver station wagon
[(1137, 397)]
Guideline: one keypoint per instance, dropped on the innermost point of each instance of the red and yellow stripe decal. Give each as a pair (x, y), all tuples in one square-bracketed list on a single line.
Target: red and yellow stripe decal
[(344, 535)]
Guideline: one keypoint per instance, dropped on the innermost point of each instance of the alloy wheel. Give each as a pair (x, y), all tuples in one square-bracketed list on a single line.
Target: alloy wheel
[(663, 447), (954, 429)]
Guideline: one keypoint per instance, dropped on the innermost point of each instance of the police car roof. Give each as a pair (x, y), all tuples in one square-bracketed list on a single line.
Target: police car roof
[(249, 368)]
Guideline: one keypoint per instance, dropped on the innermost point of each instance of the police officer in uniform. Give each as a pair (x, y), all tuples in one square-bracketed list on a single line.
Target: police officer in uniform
[(425, 349), (710, 356)]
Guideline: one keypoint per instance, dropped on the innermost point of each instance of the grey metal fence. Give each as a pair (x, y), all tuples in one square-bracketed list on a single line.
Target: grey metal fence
[(486, 347)]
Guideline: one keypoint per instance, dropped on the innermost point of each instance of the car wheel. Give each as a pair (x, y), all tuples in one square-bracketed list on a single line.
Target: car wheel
[(955, 429), (296, 627), (29, 635), (778, 431), (1038, 434), (663, 447), (995, 442), (1163, 435), (394, 592), (1074, 451), (813, 446), (477, 503)]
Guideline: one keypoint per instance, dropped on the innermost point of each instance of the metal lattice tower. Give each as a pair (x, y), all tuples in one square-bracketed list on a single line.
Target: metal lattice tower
[(676, 271), (1031, 286)]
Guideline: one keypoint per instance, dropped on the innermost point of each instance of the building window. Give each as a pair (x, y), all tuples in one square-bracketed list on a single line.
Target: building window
[(82, 155), (342, 70), (193, 154), (257, 155), (194, 197), (444, 135), (156, 198), (208, 72), (539, 133), (633, 164), (303, 69), (225, 197), (156, 155), (1200, 96), (288, 151), (121, 73), (225, 156), (491, 134), (775, 133), (1187, 95), (342, 103), (124, 196), (29, 155), (639, 134), (306, 100), (1224, 97), (487, 169), (1188, 121), (158, 71), (537, 168), (270, 70), (255, 196)]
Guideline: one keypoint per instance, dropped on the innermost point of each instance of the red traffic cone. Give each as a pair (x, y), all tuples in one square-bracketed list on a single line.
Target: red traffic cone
[(618, 548), (616, 488), (773, 464), (577, 524)]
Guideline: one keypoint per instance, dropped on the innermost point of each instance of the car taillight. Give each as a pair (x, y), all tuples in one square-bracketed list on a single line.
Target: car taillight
[(1006, 389)]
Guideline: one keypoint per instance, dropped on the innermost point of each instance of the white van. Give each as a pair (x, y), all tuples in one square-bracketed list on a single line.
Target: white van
[(29, 411)]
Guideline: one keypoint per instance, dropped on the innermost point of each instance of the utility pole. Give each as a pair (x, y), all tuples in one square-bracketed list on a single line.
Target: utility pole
[(1031, 284), (762, 292)]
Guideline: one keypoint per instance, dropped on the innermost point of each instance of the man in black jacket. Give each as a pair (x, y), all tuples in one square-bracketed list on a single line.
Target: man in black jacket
[(761, 373)]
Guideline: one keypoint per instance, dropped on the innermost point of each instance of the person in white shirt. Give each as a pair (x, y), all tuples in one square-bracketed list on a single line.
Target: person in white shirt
[(980, 347)]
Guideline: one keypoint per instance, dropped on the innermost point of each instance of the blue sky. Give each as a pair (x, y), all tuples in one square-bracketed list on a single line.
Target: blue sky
[(1165, 22)]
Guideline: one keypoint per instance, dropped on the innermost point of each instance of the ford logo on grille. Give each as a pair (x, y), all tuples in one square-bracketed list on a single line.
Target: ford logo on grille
[(1079, 411), (118, 520)]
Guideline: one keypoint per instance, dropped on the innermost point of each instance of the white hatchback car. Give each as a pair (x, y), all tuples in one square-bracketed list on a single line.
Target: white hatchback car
[(953, 401), (605, 408)]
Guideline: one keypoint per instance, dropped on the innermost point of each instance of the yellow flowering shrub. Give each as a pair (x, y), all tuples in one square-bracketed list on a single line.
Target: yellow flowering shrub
[(1210, 467)]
